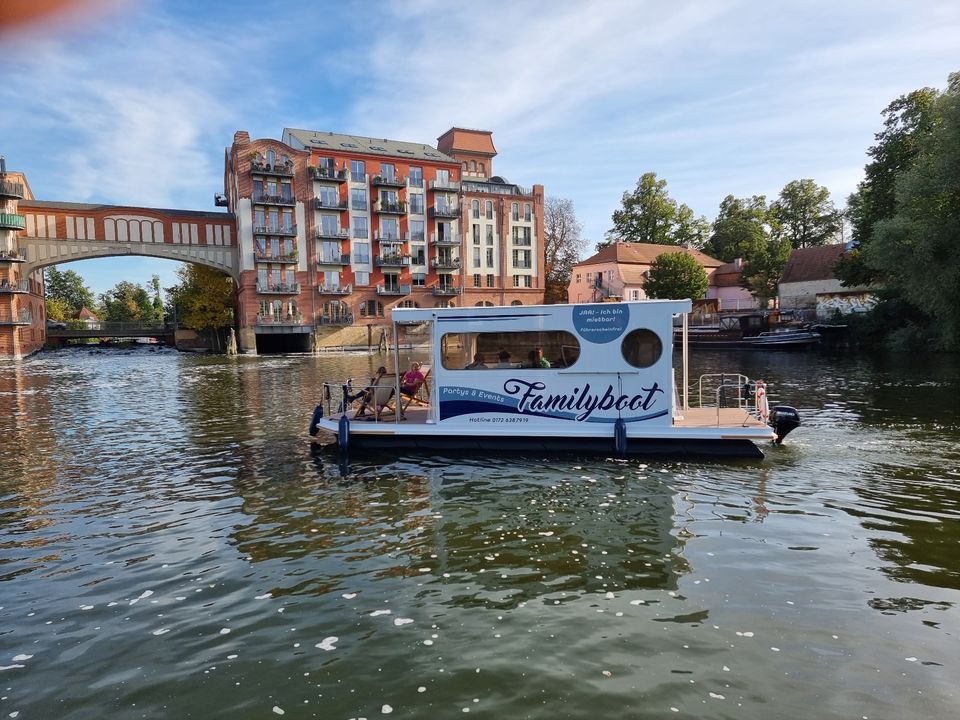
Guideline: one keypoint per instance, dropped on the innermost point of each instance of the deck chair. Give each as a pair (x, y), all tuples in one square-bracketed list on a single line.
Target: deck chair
[(421, 388), (378, 396)]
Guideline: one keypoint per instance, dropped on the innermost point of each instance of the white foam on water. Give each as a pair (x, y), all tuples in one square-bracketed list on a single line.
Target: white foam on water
[(278, 710), (224, 631), (428, 642), (328, 644), (143, 596), (421, 689), (11, 667), (775, 649), (609, 596), (86, 607), (548, 533), (265, 596), (638, 602), (161, 631), (726, 669), (348, 596), (21, 658), (909, 659), (375, 613), (232, 657), (424, 570), (717, 696), (386, 709), (402, 621)]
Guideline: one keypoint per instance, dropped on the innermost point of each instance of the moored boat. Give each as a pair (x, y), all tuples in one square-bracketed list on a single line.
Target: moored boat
[(587, 378)]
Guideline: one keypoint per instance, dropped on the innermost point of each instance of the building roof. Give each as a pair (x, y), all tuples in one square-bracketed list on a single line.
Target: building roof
[(644, 254), (335, 142), (812, 263), (85, 314), (457, 139)]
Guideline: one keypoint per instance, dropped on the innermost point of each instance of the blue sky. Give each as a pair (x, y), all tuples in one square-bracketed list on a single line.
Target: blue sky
[(136, 105)]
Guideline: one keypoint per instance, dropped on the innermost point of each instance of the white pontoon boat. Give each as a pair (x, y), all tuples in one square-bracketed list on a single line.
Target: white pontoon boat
[(585, 378)]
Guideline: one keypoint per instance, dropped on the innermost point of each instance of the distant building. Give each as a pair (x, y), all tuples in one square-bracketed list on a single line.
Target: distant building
[(808, 283), (619, 270), (336, 230), (88, 317)]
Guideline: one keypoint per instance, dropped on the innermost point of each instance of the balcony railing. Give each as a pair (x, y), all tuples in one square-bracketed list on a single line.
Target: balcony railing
[(335, 289), (523, 241), (390, 208), (393, 289), (389, 180), (415, 182), (12, 256), (24, 317), (358, 177), (445, 263), (331, 259), (523, 265), (266, 199), (268, 257), (18, 287), (263, 168), (446, 290), (324, 174), (11, 190), (338, 234), (274, 229), (388, 238), (444, 211), (345, 319), (279, 319), (10, 221), (444, 240), (444, 186), (323, 204), (392, 260), (278, 288)]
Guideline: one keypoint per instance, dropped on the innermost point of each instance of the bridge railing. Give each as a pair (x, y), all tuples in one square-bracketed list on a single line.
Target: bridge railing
[(112, 328)]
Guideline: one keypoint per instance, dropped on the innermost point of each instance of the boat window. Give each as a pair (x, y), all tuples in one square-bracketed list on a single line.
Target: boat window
[(509, 350), (641, 348)]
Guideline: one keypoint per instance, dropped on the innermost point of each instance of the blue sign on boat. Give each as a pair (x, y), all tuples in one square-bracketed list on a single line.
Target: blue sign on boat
[(601, 323)]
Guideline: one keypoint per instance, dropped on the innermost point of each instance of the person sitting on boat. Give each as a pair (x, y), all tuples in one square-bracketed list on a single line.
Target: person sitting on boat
[(537, 360), (504, 358), (478, 363), (365, 392), (411, 380)]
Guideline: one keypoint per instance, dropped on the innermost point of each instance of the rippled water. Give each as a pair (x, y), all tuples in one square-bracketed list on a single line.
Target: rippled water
[(171, 547)]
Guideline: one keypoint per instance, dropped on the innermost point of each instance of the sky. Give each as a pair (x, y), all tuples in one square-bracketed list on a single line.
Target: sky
[(134, 101)]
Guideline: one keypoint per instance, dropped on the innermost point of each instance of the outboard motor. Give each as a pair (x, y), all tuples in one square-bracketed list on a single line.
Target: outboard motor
[(783, 419)]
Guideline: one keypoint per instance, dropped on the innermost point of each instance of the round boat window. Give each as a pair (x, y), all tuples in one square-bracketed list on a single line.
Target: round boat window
[(641, 348)]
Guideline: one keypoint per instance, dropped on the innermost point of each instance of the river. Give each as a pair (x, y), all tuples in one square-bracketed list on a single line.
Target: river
[(171, 548)]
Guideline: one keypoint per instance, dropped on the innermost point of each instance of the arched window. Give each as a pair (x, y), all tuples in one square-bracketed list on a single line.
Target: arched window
[(271, 157), (408, 304), (516, 302), (489, 208), (473, 166), (484, 303), (475, 209), (483, 169), (515, 211), (464, 165), (445, 304)]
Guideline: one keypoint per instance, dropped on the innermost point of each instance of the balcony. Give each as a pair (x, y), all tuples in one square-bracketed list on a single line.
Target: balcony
[(9, 221), (387, 238), (12, 256), (334, 259), (445, 263), (390, 208), (446, 290), (265, 199), (259, 167), (397, 181), (324, 174), (14, 288), (444, 186), (322, 204), (358, 177), (392, 261), (268, 257), (345, 319), (24, 317), (338, 234), (280, 320), (414, 237), (393, 289), (444, 240), (11, 190), (278, 288), (416, 182), (444, 211), (335, 289), (274, 229)]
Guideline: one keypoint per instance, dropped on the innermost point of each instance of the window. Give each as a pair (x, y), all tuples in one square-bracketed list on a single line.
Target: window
[(419, 254), (361, 277), (388, 170), (361, 229), (361, 252), (271, 157), (483, 303), (476, 234), (327, 165), (358, 198), (388, 197), (515, 211), (516, 302), (477, 282), (329, 196), (578, 279), (521, 236), (389, 229), (286, 191), (489, 234), (489, 208), (358, 170), (491, 281), (443, 177), (328, 225), (489, 257), (416, 177), (521, 259), (634, 294), (262, 279), (287, 221), (476, 257), (473, 166), (445, 304), (408, 304), (329, 251), (483, 169), (475, 209), (371, 308), (527, 212), (417, 230), (416, 203), (418, 279), (560, 348), (641, 348), (259, 218)]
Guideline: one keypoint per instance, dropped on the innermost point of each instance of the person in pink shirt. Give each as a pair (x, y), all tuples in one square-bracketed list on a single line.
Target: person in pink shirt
[(410, 382)]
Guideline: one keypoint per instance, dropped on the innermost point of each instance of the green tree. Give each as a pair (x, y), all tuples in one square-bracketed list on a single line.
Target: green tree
[(763, 269), (675, 275), (68, 289), (650, 215), (126, 302), (203, 299), (158, 311), (57, 310), (562, 245), (805, 214), (740, 230), (915, 249)]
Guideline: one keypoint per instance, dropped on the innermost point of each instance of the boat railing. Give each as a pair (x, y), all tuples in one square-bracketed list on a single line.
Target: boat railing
[(340, 397), (723, 390)]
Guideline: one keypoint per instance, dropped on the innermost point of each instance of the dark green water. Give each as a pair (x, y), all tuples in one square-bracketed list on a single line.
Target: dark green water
[(171, 548)]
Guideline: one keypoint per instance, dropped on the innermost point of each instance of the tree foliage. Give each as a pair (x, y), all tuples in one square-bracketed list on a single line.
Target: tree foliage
[(203, 299), (676, 275), (740, 230), (57, 310), (650, 215), (805, 215), (68, 290), (762, 270), (563, 244), (127, 302)]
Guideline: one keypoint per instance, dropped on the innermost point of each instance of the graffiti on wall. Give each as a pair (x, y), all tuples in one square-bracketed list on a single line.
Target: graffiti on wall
[(832, 304)]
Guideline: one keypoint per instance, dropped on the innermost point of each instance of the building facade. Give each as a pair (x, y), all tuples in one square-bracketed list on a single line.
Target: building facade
[(335, 230)]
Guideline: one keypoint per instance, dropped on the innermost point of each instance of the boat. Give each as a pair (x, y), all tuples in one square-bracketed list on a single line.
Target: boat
[(592, 378), (754, 331)]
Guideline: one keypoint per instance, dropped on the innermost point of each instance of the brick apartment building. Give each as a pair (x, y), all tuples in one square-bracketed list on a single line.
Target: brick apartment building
[(336, 230)]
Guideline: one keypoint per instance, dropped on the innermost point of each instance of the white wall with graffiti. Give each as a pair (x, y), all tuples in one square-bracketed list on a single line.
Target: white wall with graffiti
[(830, 305)]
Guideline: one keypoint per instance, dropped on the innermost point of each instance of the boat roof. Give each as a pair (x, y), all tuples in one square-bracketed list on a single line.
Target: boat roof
[(419, 315)]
